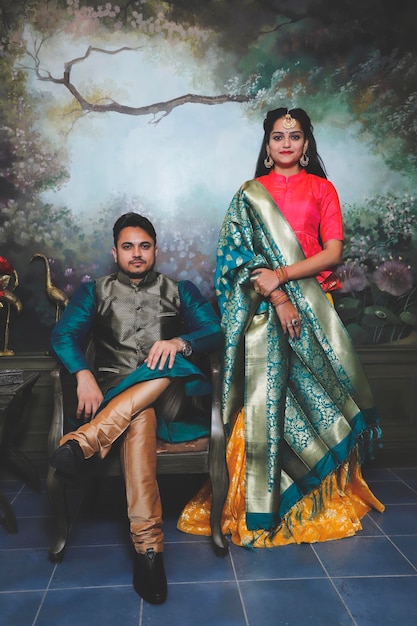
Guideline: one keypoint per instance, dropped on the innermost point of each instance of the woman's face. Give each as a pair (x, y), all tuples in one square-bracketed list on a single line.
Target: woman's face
[(286, 147)]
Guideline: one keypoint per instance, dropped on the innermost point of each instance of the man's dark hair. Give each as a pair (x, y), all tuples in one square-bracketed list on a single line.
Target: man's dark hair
[(136, 220)]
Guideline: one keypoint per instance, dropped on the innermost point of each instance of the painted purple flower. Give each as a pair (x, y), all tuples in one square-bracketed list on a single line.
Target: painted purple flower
[(394, 277), (352, 276)]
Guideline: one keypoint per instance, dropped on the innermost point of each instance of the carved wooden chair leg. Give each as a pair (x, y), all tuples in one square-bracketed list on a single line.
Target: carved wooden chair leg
[(10, 520), (219, 484), (56, 491), (217, 463), (221, 545)]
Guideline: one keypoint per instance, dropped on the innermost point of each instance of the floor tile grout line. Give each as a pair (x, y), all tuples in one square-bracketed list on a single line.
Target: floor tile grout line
[(399, 469), (379, 576), (44, 595), (402, 480), (5, 592), (50, 589), (140, 622), (17, 494), (42, 548), (386, 535), (354, 622), (242, 602), (402, 554)]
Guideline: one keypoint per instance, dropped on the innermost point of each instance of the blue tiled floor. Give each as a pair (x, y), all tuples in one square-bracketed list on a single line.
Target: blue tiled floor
[(367, 580)]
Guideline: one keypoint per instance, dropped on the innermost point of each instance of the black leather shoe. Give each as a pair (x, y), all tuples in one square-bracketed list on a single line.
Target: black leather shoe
[(149, 579), (68, 460)]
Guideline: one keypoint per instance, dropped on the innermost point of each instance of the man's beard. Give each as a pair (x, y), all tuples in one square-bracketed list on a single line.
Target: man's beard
[(138, 273)]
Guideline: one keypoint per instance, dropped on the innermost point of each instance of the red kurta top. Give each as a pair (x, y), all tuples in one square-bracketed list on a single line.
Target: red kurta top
[(311, 206)]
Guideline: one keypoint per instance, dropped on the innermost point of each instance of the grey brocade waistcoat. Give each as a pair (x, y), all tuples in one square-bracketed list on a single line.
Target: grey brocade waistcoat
[(130, 318)]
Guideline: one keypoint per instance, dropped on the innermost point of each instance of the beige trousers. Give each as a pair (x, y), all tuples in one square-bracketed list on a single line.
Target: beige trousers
[(131, 413)]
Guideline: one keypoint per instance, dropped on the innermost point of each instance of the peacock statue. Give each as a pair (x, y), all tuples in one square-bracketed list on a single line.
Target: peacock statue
[(55, 294)]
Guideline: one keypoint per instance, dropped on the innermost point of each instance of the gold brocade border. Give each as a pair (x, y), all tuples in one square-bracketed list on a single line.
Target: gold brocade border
[(262, 498)]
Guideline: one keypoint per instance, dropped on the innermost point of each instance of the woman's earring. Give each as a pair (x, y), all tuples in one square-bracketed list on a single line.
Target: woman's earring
[(268, 161), (305, 160)]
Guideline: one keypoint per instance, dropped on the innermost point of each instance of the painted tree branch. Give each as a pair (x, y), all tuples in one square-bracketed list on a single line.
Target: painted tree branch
[(157, 108)]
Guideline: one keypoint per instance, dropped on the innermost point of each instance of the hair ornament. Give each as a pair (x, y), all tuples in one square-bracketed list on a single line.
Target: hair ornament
[(288, 121)]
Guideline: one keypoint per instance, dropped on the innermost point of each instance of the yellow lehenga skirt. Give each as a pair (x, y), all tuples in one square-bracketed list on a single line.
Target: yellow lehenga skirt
[(332, 511)]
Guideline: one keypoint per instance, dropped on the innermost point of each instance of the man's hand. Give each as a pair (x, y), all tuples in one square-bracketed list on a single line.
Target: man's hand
[(89, 395), (163, 351)]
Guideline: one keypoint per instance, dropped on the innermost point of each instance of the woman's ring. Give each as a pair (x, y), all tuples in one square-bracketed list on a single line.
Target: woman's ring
[(295, 322)]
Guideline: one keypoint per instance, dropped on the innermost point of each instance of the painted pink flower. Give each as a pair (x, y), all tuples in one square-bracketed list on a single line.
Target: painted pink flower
[(352, 276), (394, 277)]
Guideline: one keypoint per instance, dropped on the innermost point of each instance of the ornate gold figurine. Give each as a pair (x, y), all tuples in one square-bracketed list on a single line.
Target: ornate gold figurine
[(9, 298), (55, 294), (288, 121)]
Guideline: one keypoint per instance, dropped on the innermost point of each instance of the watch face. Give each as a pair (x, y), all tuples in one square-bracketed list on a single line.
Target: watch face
[(187, 350)]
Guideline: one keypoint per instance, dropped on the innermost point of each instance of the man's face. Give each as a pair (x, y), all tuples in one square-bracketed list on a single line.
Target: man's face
[(135, 253)]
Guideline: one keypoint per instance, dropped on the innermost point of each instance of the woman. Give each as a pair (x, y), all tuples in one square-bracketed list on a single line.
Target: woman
[(295, 400)]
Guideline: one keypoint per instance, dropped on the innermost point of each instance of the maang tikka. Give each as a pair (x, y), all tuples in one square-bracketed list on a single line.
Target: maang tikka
[(288, 121)]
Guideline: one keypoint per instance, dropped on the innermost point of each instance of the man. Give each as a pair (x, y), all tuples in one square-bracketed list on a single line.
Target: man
[(144, 326)]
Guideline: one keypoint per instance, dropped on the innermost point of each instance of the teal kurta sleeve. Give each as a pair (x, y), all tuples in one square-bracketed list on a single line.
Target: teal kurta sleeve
[(70, 334), (202, 323)]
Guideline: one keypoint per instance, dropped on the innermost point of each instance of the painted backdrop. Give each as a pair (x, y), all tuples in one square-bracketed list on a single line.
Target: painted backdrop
[(157, 107)]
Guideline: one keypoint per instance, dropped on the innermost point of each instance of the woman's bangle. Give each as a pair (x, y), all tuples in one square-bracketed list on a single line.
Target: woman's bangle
[(278, 297), (282, 274)]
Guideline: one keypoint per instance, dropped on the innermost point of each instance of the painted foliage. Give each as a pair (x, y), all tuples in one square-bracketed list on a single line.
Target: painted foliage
[(157, 107)]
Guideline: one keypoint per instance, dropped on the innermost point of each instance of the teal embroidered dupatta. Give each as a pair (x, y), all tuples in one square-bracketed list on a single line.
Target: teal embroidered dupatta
[(307, 402)]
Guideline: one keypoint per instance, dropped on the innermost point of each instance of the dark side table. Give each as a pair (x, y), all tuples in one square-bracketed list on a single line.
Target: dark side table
[(14, 399)]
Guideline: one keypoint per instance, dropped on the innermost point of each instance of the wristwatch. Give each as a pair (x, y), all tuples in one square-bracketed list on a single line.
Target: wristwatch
[(187, 349)]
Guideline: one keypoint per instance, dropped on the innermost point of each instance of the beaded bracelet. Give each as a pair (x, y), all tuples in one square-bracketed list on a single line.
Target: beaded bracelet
[(282, 274), (278, 297)]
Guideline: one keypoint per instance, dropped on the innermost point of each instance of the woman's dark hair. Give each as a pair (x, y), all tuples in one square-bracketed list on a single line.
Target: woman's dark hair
[(135, 220), (315, 165)]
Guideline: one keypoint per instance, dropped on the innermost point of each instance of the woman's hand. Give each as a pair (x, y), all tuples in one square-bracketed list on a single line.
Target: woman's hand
[(265, 282), (289, 318)]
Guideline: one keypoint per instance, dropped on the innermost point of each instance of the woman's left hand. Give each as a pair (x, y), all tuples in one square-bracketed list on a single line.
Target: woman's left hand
[(290, 319), (266, 281)]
